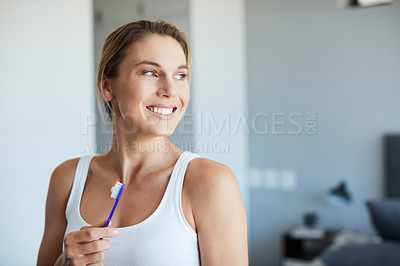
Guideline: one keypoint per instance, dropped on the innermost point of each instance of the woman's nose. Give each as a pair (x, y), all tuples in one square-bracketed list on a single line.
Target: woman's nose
[(166, 88)]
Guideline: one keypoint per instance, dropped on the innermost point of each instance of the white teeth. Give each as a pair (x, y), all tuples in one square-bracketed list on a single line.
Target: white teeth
[(164, 111)]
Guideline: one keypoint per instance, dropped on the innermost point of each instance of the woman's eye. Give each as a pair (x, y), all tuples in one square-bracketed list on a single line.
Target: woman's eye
[(150, 73), (181, 76)]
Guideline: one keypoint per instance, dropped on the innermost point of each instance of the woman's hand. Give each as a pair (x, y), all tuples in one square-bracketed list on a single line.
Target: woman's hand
[(86, 246)]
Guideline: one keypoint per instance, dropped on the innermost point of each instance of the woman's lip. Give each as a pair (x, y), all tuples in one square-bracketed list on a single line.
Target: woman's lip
[(162, 105)]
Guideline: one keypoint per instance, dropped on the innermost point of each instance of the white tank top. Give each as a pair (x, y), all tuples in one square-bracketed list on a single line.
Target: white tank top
[(164, 238)]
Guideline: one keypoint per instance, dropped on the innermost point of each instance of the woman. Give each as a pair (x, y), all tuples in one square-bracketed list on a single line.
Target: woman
[(177, 208)]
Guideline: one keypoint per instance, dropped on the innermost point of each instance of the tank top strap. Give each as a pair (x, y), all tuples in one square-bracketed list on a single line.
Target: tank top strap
[(78, 185), (174, 198), (178, 174)]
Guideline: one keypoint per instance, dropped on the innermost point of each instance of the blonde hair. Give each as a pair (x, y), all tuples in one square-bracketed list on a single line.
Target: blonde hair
[(117, 43)]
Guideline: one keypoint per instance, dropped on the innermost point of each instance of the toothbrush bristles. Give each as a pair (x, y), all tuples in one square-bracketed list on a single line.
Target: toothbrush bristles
[(115, 190)]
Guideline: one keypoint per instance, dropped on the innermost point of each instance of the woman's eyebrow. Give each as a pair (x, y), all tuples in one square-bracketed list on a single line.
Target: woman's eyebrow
[(147, 62)]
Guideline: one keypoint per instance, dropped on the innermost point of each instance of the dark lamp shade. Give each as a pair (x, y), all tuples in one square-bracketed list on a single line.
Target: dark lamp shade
[(339, 195)]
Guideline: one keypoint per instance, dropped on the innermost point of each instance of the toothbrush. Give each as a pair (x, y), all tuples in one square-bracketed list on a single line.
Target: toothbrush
[(116, 192)]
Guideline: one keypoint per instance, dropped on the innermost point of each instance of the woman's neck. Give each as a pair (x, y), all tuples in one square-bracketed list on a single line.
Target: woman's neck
[(134, 155)]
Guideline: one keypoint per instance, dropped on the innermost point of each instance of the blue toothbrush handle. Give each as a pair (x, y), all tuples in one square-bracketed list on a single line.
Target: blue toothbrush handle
[(111, 213), (115, 205)]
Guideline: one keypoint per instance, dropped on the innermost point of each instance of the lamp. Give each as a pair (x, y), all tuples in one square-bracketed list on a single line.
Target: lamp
[(366, 3), (339, 195)]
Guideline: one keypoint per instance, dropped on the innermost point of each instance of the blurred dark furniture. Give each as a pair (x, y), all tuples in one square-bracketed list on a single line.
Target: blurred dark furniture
[(305, 248), (392, 165)]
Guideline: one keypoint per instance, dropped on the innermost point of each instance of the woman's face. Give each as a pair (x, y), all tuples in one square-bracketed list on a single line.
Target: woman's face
[(151, 92)]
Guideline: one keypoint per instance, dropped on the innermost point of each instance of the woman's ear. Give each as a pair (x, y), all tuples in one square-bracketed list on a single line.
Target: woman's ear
[(106, 90)]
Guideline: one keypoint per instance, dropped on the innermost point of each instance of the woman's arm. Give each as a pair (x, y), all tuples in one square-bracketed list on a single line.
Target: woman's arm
[(219, 214), (59, 189)]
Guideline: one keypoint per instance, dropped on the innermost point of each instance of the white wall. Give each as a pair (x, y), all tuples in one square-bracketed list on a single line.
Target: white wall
[(46, 75), (219, 93), (219, 81)]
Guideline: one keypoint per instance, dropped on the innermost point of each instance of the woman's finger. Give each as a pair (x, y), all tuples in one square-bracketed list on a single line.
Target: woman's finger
[(96, 264), (94, 246), (89, 234), (93, 258)]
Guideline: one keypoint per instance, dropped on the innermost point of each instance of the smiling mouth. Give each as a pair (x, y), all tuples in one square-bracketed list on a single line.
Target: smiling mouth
[(162, 111)]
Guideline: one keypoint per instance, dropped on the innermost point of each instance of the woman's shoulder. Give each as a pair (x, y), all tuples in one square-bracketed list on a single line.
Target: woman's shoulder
[(205, 176), (63, 175), (204, 168)]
